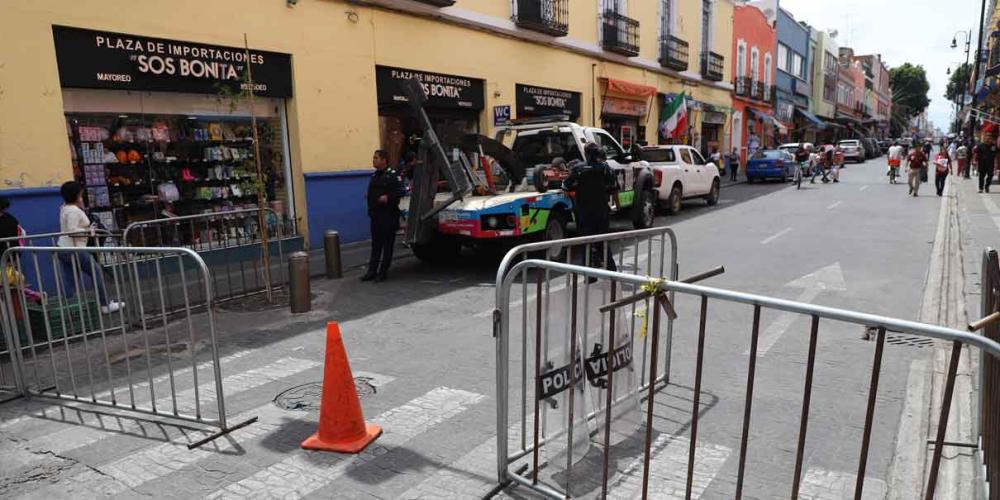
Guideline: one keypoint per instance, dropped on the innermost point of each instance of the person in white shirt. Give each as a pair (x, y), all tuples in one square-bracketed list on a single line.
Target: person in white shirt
[(895, 159), (79, 269)]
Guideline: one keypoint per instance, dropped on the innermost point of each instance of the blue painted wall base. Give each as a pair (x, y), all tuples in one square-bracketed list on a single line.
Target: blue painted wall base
[(336, 200)]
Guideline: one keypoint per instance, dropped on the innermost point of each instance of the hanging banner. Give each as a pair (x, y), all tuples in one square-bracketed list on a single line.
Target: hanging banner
[(623, 107), (106, 60)]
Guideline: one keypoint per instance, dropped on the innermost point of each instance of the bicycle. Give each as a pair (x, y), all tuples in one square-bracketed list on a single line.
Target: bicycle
[(801, 171), (893, 174)]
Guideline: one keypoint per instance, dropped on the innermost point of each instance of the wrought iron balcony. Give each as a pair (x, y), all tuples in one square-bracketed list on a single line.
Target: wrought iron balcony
[(546, 16), (741, 86), (770, 96), (621, 34), (711, 66), (757, 90), (673, 53), (439, 3)]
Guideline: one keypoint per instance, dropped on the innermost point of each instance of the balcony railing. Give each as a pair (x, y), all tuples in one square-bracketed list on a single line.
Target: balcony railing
[(769, 94), (711, 66), (741, 86), (621, 34), (546, 16), (439, 3), (757, 90), (673, 53)]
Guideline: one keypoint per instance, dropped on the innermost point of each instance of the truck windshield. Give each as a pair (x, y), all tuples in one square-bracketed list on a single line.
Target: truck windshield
[(543, 147)]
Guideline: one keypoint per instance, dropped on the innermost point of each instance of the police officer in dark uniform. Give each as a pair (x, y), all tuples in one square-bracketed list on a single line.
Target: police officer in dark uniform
[(592, 182), (384, 192)]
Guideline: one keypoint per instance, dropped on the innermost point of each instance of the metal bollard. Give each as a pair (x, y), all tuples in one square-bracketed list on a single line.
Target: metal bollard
[(299, 291), (331, 247)]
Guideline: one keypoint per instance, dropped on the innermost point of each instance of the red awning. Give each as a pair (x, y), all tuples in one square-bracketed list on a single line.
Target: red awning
[(624, 88)]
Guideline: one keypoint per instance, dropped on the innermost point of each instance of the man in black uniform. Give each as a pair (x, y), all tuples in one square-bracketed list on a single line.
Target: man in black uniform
[(986, 156), (593, 182), (384, 191)]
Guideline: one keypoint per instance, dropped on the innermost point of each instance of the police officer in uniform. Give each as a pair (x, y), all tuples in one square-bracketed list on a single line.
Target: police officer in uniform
[(593, 181), (385, 189)]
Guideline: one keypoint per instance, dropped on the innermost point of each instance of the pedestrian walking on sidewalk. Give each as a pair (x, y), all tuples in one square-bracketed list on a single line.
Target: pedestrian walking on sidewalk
[(385, 189), (986, 161), (734, 165), (962, 156), (916, 162), (592, 182), (942, 168)]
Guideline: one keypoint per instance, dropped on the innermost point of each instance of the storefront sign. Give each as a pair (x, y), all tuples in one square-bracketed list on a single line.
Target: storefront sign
[(541, 101), (714, 117), (104, 60), (501, 115), (624, 107), (443, 91)]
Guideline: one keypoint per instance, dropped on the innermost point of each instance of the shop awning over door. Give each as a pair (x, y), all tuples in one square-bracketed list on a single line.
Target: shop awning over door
[(820, 124), (782, 128), (629, 89)]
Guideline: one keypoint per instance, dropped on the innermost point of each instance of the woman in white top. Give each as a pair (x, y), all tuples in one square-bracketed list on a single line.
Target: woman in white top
[(79, 269)]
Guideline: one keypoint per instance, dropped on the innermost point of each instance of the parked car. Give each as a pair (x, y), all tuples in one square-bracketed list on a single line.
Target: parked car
[(872, 148), (771, 164), (883, 145), (853, 150), (793, 147), (680, 172)]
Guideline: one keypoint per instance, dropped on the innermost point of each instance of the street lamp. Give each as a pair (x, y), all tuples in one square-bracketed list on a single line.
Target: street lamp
[(965, 85)]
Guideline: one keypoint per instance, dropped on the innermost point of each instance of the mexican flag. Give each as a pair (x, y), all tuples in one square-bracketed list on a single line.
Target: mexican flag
[(674, 118)]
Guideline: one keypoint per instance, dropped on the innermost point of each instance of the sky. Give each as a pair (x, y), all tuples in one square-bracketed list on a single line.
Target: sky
[(914, 31)]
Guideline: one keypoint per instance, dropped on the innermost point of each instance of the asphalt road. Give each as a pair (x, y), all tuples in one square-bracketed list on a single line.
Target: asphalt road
[(424, 341)]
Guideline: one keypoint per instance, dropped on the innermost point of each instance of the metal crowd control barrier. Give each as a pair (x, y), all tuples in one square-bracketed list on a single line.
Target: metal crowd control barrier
[(226, 241), (989, 378), (561, 430), (84, 324)]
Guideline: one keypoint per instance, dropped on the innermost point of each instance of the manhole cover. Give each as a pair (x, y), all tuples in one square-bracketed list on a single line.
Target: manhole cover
[(871, 334), (306, 397), (258, 302)]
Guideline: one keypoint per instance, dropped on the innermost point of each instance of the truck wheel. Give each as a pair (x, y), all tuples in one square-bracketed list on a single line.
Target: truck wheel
[(555, 230), (440, 250), (674, 200), (644, 211), (713, 196), (538, 179)]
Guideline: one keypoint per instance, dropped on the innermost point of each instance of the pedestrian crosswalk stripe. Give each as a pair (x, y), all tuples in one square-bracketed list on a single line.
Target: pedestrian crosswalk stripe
[(306, 472), (668, 469), (138, 386), (472, 475), (96, 427), (822, 484)]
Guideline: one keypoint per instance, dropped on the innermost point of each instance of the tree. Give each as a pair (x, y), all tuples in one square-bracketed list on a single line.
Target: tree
[(909, 94), (959, 83)]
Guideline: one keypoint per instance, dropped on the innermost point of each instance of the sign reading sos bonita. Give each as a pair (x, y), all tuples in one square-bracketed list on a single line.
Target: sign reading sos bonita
[(97, 59)]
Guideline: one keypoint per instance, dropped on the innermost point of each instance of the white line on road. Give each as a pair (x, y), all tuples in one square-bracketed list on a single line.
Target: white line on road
[(773, 237), (863, 187), (835, 205), (668, 469), (473, 475), (305, 472), (159, 461), (96, 427), (821, 484)]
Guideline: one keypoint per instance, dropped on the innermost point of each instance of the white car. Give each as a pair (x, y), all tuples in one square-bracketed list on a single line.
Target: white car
[(853, 150), (680, 172), (793, 147)]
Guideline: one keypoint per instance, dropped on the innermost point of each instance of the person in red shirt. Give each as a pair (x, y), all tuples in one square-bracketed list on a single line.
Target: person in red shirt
[(942, 168), (916, 161)]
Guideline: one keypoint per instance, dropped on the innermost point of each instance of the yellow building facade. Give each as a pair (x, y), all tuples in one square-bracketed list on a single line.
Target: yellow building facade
[(62, 112)]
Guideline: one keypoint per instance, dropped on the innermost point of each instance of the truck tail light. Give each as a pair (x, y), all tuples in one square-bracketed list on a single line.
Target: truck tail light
[(658, 177)]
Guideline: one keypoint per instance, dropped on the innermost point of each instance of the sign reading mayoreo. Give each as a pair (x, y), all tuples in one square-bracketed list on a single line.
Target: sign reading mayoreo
[(443, 91), (540, 101), (104, 60)]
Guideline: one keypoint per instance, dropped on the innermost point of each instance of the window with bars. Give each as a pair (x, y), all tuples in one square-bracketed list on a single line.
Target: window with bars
[(546, 16), (619, 33)]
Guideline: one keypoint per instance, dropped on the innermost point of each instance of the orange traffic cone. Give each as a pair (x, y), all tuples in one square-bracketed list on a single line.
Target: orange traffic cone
[(342, 427)]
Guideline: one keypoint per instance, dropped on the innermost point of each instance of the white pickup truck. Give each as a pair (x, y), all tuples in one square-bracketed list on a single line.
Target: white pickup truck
[(680, 173)]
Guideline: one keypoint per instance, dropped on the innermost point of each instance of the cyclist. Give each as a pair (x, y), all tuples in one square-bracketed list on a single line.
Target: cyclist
[(802, 159), (895, 158)]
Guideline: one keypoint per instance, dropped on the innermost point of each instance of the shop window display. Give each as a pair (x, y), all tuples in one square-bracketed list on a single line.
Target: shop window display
[(138, 167)]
